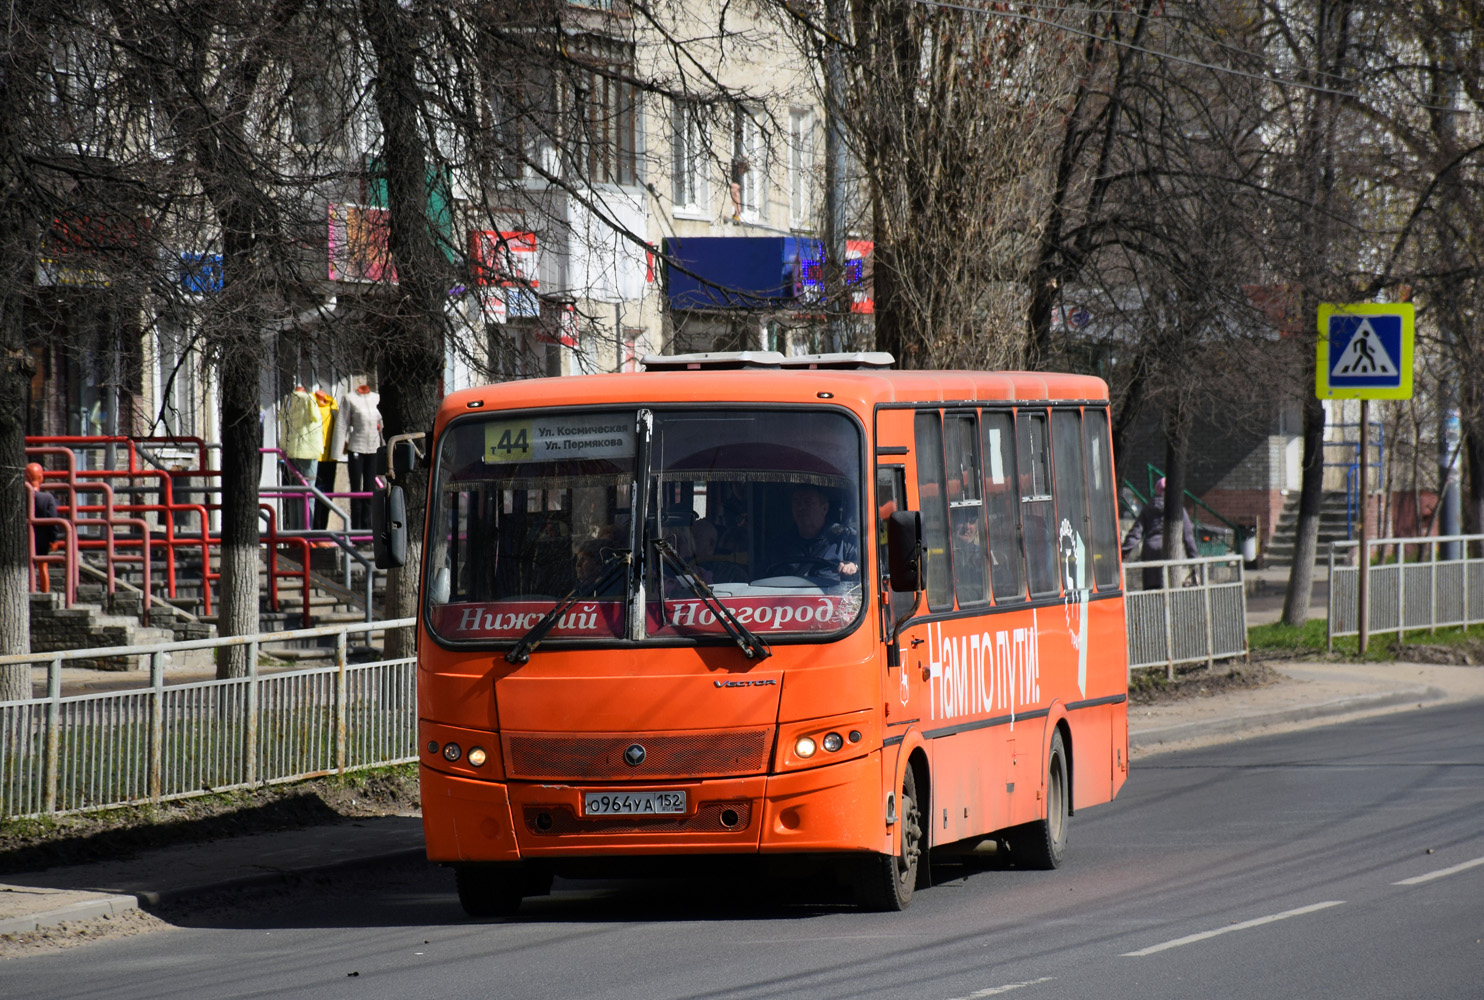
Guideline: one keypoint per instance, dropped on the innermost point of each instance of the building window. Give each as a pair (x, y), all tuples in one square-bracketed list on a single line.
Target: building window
[(603, 105), (749, 167), (689, 146), (522, 121), (801, 169)]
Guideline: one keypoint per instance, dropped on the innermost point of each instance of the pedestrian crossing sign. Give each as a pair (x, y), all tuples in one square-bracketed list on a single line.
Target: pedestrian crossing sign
[(1365, 351)]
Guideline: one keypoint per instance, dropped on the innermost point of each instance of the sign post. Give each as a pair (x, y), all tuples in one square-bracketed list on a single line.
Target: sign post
[(1365, 353)]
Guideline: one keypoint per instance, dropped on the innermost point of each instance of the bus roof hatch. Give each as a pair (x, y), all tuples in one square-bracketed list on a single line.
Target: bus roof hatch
[(734, 360)]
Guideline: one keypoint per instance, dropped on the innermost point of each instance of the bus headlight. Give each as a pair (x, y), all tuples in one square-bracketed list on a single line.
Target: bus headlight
[(476, 757), (804, 747), (833, 742), (452, 751)]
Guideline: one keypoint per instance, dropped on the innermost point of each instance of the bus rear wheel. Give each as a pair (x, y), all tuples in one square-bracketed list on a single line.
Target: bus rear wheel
[(495, 890), (888, 881), (1042, 844)]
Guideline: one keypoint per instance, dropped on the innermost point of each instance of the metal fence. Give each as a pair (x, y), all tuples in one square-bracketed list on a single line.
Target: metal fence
[(1198, 613), (88, 751), (1410, 587)]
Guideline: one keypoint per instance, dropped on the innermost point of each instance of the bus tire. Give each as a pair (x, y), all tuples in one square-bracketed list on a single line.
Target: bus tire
[(490, 890), (887, 882), (1042, 844)]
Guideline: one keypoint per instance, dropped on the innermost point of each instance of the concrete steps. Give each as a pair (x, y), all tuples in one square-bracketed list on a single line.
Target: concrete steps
[(1332, 528), (109, 620)]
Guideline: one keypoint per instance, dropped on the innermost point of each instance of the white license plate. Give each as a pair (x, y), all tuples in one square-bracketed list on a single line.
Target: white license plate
[(633, 803)]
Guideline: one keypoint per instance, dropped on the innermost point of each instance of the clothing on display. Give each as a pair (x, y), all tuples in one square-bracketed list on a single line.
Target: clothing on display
[(302, 440), (362, 414), (333, 429), (299, 418)]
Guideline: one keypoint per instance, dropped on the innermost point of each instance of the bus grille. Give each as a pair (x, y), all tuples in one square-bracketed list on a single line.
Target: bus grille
[(687, 755), (708, 819)]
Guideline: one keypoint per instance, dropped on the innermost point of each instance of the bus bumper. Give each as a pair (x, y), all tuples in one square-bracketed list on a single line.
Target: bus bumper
[(829, 809)]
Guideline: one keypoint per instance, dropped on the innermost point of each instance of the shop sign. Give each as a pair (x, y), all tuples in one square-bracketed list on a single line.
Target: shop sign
[(359, 244)]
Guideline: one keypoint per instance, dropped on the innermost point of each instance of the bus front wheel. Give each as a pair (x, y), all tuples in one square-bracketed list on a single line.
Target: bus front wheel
[(495, 890), (888, 881), (1043, 843)]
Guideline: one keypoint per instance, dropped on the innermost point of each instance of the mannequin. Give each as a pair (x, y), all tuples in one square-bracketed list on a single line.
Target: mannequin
[(362, 415), (45, 535), (302, 441), (333, 430)]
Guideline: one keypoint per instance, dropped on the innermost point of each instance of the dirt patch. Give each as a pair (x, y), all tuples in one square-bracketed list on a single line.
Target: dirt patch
[(1462, 654), (1153, 687), (32, 845)]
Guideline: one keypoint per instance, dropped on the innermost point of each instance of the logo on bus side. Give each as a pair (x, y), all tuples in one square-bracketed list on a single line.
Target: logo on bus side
[(970, 674), (1073, 553)]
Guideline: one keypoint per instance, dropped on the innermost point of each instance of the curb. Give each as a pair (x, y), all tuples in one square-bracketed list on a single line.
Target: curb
[(83, 909), (1151, 738)]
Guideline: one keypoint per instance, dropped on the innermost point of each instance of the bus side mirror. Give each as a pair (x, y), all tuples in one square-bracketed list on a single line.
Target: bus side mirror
[(904, 550), (404, 458), (389, 527)]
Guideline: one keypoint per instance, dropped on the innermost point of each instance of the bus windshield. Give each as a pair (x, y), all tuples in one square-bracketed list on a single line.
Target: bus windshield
[(763, 507)]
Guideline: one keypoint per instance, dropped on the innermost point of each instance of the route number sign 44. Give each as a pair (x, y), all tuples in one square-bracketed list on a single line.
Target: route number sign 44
[(1365, 351)]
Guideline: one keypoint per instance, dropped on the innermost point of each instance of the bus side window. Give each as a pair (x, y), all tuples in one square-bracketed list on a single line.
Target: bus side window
[(1002, 504), (1072, 546), (965, 508), (928, 433), (1101, 496), (1035, 502), (891, 496)]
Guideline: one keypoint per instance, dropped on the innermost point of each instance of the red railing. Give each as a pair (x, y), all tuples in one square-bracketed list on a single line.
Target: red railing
[(122, 515), (62, 450)]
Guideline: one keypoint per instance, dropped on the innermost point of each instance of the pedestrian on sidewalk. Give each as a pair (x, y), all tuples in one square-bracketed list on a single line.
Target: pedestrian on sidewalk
[(43, 505), (1145, 540)]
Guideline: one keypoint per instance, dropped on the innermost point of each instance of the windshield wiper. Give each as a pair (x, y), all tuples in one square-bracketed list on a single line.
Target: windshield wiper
[(528, 642), (751, 645)]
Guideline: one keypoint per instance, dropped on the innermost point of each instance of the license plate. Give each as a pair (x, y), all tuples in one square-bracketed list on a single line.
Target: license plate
[(633, 803)]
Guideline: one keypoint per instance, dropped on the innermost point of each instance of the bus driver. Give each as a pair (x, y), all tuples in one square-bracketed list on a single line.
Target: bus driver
[(827, 552)]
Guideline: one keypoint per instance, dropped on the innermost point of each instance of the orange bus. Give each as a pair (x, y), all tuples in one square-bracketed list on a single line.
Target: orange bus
[(742, 604)]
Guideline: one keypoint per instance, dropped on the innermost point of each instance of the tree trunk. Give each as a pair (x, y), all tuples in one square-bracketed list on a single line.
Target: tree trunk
[(1306, 532), (15, 609), (242, 436), (1473, 449), (19, 237), (1176, 432), (411, 362)]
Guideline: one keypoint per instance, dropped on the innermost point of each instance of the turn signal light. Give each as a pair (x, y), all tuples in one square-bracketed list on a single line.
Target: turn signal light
[(452, 751), (833, 742)]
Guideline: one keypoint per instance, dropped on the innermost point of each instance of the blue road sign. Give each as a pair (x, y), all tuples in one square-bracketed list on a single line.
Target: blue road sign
[(1365, 351)]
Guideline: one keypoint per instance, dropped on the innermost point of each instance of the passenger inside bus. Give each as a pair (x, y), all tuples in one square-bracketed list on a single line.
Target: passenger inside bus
[(704, 537), (593, 566), (819, 548)]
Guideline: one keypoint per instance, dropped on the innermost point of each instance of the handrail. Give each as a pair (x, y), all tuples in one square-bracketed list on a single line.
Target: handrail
[(1155, 473), (64, 448), (166, 510), (252, 638), (68, 559)]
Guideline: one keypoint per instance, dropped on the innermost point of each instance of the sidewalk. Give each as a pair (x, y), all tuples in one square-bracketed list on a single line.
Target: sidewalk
[(1313, 694)]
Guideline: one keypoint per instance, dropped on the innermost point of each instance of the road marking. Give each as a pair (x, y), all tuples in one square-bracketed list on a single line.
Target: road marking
[(995, 991), (1419, 879), (1244, 925)]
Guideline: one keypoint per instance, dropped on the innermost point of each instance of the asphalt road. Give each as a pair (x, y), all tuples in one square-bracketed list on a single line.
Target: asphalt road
[(1342, 862)]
